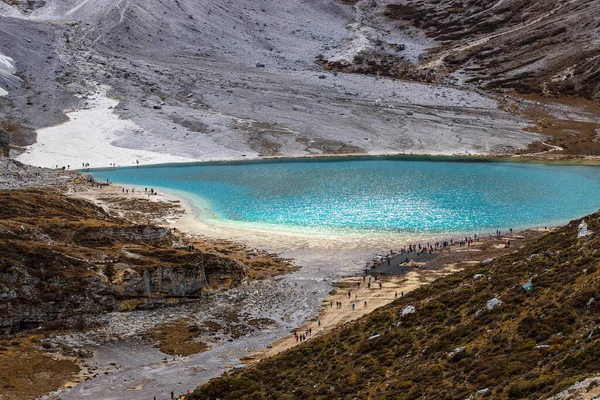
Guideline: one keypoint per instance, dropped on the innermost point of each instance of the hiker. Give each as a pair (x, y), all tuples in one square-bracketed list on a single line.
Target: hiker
[(396, 295), (352, 306), (380, 285), (310, 331), (348, 294), (318, 322), (365, 304)]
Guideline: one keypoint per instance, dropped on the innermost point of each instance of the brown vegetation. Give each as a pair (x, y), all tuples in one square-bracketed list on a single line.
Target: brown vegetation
[(177, 338), (535, 343), (27, 370)]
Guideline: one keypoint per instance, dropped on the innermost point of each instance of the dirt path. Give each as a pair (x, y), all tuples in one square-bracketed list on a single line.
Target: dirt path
[(330, 317)]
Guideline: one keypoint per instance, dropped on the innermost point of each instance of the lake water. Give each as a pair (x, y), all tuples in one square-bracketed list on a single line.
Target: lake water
[(404, 195)]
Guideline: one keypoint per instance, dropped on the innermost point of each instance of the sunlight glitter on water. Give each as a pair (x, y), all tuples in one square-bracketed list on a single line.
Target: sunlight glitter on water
[(385, 195)]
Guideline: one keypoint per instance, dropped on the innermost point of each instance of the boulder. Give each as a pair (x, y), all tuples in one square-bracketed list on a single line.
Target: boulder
[(408, 310), (582, 230), (491, 304)]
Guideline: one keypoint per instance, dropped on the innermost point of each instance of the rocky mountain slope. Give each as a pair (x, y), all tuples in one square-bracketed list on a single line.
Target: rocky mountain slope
[(54, 268), (548, 46), (235, 79), (477, 334)]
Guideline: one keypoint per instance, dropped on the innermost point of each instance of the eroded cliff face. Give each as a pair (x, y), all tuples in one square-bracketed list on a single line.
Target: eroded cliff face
[(56, 269)]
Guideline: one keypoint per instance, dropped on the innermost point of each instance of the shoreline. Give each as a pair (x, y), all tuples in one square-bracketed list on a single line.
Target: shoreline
[(501, 158), (305, 249)]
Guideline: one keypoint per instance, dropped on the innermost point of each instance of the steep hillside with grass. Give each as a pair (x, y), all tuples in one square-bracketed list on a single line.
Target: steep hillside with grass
[(478, 333)]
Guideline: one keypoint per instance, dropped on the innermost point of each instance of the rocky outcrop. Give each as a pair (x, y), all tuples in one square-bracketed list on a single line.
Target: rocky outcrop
[(190, 280), (64, 261), (28, 300), (16, 175), (26, 5)]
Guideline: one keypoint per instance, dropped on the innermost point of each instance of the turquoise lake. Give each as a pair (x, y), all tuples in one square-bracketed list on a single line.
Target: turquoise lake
[(405, 195)]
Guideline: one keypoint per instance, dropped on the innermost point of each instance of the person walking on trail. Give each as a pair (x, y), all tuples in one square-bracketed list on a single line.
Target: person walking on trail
[(380, 285), (172, 395), (319, 322), (365, 304), (396, 295), (369, 285), (348, 294), (352, 306)]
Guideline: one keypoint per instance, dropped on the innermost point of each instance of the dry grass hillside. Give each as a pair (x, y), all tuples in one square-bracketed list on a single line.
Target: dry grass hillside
[(477, 333)]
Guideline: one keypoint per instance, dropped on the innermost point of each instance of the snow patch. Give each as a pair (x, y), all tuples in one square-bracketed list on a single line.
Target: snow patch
[(88, 137), (7, 69)]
